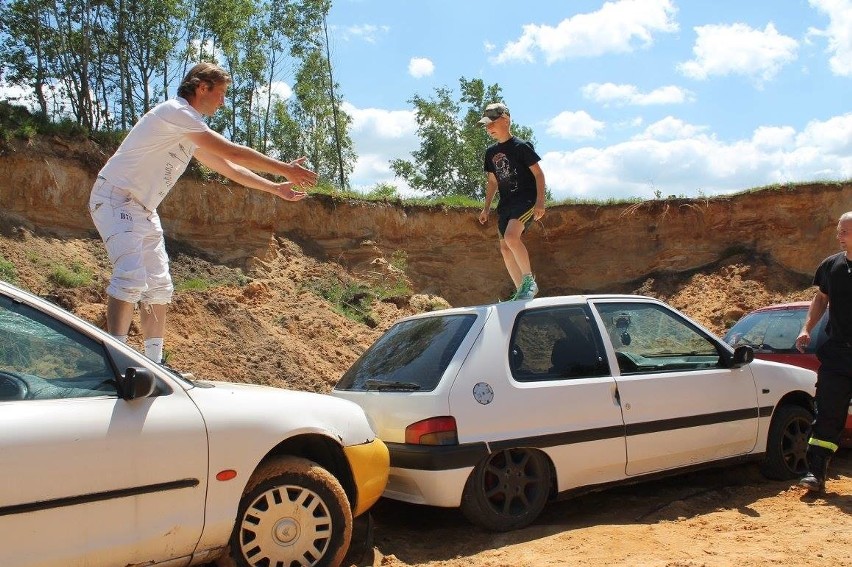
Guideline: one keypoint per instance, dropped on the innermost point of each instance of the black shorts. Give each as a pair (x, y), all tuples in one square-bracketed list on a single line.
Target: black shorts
[(522, 211)]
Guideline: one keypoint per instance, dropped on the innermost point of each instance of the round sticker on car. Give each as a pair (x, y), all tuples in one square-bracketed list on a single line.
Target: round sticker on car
[(483, 393)]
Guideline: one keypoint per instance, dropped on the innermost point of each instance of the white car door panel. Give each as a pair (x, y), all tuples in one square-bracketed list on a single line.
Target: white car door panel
[(100, 471), (715, 417), (90, 479), (681, 406)]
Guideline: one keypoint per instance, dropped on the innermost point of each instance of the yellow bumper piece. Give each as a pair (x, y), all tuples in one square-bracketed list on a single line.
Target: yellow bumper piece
[(370, 464)]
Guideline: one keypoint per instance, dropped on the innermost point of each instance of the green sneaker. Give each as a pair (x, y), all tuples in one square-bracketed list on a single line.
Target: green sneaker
[(528, 288)]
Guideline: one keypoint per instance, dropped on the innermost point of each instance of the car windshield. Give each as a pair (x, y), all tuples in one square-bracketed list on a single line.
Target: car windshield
[(410, 356), (773, 331)]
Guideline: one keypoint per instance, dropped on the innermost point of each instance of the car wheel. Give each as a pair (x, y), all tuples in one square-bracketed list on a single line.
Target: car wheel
[(787, 443), (508, 490), (293, 512)]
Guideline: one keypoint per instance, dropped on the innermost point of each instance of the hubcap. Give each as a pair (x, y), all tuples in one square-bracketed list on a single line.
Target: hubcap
[(289, 525)]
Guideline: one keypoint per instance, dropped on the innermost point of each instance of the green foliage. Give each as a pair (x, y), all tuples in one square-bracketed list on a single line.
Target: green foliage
[(452, 143), (7, 271), (194, 284), (74, 276), (351, 299), (383, 191)]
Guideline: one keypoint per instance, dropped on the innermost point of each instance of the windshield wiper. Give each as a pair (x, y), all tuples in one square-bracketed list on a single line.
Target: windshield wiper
[(373, 384)]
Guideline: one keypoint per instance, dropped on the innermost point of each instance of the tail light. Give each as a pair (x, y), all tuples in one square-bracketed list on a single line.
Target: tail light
[(433, 431)]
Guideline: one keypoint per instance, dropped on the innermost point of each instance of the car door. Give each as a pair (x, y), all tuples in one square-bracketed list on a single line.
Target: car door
[(549, 386), (681, 405), (90, 479)]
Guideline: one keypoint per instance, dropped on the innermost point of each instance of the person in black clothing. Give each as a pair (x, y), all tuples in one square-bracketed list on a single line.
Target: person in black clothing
[(512, 166), (834, 377)]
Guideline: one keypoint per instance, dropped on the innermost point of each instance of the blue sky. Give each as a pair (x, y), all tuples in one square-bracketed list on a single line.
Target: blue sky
[(627, 98)]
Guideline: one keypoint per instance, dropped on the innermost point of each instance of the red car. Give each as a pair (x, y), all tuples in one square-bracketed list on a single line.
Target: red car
[(771, 331)]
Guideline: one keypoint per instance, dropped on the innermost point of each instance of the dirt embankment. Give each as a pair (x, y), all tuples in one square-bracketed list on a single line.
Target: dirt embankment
[(259, 319)]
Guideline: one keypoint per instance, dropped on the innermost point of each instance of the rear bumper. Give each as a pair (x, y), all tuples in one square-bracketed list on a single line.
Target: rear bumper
[(431, 474)]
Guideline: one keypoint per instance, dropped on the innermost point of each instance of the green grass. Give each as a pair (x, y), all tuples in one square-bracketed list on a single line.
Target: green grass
[(351, 299), (8, 272), (74, 276), (194, 284)]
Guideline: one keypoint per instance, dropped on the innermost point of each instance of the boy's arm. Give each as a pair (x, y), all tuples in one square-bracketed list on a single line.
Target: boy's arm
[(490, 189), (537, 172)]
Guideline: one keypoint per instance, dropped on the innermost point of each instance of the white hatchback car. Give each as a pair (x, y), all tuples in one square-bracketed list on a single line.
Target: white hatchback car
[(109, 459), (500, 408)]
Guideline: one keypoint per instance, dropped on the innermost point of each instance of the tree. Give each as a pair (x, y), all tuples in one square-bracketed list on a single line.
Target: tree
[(307, 122), (452, 143), (28, 49)]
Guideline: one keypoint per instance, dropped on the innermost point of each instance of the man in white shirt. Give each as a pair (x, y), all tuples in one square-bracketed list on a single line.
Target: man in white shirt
[(134, 181)]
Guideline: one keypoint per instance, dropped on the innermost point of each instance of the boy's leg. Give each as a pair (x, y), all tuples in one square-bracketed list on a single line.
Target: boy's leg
[(515, 250)]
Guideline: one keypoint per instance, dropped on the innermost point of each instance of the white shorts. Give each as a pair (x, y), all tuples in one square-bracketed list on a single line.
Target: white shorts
[(134, 241)]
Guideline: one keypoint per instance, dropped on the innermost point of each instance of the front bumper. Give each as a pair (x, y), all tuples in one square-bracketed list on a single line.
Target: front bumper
[(370, 464)]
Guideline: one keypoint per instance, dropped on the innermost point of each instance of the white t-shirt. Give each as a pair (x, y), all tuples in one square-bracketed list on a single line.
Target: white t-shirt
[(155, 152)]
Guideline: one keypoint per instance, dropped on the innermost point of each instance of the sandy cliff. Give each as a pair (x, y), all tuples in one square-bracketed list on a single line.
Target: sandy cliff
[(574, 248)]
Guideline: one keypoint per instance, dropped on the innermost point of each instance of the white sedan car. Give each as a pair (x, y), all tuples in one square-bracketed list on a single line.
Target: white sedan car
[(498, 409), (108, 459)]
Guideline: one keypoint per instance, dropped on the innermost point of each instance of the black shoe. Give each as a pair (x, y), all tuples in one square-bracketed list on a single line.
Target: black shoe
[(812, 483)]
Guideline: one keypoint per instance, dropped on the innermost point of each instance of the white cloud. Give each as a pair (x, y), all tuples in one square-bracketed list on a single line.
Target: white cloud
[(616, 28), (279, 89), (364, 32), (488, 47), (574, 125), (379, 136), (738, 49), (839, 34), (694, 162), (606, 93), (420, 67), (670, 128)]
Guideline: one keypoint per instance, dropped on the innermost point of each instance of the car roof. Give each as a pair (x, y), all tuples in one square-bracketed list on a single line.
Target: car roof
[(791, 305), (543, 301)]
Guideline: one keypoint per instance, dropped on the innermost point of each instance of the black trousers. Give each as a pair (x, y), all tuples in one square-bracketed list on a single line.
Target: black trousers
[(833, 390)]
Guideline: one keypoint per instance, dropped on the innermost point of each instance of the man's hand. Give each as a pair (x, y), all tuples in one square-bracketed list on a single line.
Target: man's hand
[(538, 211), (483, 216), (802, 341), (286, 192), (300, 176)]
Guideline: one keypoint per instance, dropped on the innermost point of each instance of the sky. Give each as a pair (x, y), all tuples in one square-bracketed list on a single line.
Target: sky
[(626, 98)]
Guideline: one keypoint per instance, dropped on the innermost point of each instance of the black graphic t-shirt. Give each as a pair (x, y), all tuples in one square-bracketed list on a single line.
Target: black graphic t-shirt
[(834, 278), (510, 163)]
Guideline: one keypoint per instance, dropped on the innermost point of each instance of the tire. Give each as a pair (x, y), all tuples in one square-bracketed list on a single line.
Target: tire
[(787, 443), (508, 490), (293, 513)]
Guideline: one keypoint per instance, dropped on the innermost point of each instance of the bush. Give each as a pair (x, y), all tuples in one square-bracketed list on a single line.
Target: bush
[(7, 271), (75, 276)]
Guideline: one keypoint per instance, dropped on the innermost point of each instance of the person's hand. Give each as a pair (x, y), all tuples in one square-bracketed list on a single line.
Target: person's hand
[(802, 341), (286, 192), (299, 175), (483, 216), (538, 211)]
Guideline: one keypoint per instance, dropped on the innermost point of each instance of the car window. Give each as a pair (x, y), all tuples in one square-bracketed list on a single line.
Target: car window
[(554, 344), (774, 331), (42, 358), (648, 337), (410, 356)]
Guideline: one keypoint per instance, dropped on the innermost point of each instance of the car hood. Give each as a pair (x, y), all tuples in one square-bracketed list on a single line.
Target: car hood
[(256, 412)]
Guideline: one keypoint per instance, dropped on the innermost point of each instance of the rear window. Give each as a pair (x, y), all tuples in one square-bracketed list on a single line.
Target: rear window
[(774, 331), (411, 356)]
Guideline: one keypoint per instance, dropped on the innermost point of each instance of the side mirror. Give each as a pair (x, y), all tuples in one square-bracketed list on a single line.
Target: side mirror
[(743, 354), (136, 383)]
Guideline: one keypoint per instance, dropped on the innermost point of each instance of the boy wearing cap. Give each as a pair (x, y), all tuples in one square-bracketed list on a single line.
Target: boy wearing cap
[(512, 167)]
